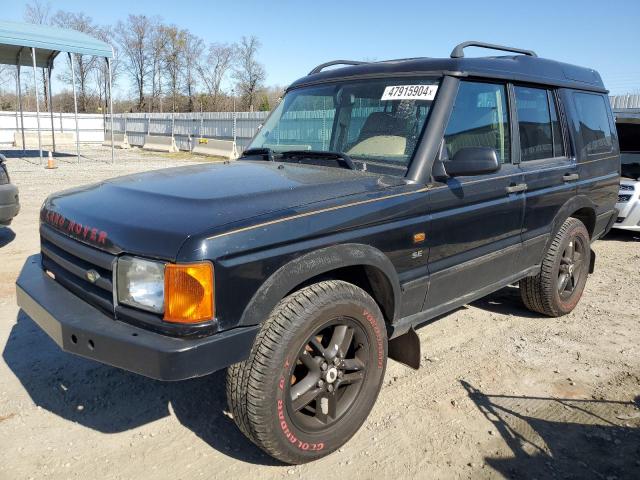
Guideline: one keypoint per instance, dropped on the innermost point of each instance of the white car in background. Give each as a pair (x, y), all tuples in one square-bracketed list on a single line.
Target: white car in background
[(628, 205)]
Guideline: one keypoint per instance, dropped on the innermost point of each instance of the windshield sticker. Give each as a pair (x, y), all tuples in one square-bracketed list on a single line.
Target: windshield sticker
[(409, 92)]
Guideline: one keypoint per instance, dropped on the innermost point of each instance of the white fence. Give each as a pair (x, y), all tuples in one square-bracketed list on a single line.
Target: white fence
[(186, 127), (91, 126)]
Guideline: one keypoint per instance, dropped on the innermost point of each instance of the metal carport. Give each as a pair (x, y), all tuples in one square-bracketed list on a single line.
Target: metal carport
[(45, 43)]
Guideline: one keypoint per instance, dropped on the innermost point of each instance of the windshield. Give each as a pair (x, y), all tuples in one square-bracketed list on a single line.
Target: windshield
[(374, 122)]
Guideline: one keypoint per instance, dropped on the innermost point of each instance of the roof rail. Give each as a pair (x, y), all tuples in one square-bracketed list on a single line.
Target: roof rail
[(458, 51), (322, 66)]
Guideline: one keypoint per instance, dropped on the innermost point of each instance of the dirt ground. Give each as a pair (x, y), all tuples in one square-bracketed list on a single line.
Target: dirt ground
[(501, 392)]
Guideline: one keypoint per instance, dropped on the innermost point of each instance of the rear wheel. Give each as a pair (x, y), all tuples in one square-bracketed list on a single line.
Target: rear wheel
[(314, 372), (556, 290)]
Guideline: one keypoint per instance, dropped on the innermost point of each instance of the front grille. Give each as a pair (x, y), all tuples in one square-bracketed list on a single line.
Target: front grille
[(624, 198), (70, 260), (627, 188)]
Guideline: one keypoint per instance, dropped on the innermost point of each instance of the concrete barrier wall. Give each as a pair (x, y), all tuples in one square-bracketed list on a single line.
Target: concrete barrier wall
[(158, 143), (215, 148)]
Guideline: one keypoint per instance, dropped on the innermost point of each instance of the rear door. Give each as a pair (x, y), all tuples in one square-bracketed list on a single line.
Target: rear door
[(476, 220), (550, 173)]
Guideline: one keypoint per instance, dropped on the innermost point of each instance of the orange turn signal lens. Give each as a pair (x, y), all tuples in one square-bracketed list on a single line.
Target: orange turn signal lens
[(188, 292)]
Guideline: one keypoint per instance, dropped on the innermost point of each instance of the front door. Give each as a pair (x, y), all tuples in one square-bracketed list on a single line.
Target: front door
[(476, 220)]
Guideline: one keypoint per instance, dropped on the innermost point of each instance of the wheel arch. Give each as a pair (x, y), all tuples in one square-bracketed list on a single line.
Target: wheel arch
[(580, 207), (362, 265)]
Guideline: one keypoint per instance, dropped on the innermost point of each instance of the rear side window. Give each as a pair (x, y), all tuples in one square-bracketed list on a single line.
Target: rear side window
[(594, 127), (479, 119), (538, 124)]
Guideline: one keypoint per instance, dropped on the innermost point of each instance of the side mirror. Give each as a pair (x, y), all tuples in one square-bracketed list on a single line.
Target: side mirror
[(473, 161)]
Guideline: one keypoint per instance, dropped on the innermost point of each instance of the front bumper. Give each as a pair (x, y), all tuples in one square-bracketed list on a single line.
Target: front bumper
[(79, 328), (9, 203)]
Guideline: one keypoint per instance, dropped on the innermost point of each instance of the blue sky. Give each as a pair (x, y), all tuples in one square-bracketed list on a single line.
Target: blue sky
[(297, 35)]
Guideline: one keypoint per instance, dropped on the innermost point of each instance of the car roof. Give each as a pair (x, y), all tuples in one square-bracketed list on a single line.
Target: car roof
[(519, 68)]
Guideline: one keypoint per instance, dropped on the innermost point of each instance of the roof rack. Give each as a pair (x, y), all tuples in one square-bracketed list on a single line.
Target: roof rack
[(322, 66), (458, 51)]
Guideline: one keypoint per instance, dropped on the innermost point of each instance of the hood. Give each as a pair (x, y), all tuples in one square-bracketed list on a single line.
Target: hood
[(153, 213)]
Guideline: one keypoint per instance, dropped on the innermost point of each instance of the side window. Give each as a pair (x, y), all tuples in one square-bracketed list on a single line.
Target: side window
[(534, 123), (593, 119), (479, 119)]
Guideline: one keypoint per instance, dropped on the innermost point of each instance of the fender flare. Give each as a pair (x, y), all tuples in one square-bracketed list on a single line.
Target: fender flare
[(310, 265), (571, 206)]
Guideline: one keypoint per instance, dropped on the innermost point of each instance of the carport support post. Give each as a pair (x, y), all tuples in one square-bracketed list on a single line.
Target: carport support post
[(75, 104), (111, 111), (24, 145), (53, 133), (35, 88)]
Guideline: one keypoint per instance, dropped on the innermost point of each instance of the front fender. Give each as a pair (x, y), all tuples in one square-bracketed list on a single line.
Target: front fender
[(312, 264)]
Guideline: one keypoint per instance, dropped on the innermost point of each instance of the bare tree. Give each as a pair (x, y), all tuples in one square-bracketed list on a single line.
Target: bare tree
[(192, 51), (40, 13), (84, 64), (173, 61), (214, 69), (249, 73), (159, 40), (134, 37)]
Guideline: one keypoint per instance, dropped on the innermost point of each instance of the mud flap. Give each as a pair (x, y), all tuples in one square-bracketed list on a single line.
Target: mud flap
[(592, 262), (406, 349)]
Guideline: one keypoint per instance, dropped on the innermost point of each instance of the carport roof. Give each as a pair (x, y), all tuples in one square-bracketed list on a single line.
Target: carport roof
[(48, 42)]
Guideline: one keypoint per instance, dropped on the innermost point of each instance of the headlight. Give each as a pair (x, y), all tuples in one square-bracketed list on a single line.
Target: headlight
[(183, 292), (141, 284)]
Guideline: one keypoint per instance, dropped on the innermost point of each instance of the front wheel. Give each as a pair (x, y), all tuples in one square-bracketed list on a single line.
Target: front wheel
[(314, 372)]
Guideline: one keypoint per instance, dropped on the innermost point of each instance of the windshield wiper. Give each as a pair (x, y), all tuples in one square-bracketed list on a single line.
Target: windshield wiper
[(341, 156), (264, 152)]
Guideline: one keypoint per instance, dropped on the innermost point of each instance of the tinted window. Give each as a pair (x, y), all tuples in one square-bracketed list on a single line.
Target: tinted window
[(593, 122), (534, 123), (538, 124), (479, 119)]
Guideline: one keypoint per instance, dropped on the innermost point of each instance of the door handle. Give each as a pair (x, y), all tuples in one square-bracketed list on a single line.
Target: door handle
[(570, 177), (520, 187)]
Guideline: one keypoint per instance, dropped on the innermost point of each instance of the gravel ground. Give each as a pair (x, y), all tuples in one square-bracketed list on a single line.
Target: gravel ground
[(500, 393)]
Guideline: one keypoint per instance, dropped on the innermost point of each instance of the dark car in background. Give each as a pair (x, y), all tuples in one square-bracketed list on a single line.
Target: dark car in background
[(9, 201), (375, 198)]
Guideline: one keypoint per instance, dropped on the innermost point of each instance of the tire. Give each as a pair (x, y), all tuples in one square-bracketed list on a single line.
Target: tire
[(556, 290), (314, 372)]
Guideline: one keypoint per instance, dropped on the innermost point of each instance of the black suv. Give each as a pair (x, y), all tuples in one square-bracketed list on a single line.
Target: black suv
[(375, 197)]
